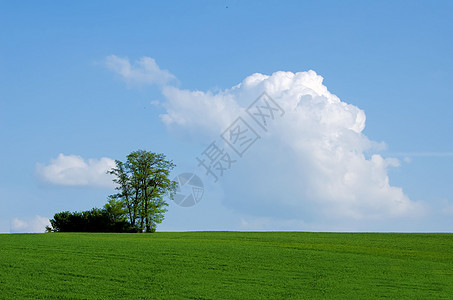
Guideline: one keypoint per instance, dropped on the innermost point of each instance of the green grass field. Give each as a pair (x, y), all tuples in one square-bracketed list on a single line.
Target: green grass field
[(226, 265)]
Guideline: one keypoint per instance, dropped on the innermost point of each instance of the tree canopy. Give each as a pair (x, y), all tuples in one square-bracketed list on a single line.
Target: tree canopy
[(143, 182)]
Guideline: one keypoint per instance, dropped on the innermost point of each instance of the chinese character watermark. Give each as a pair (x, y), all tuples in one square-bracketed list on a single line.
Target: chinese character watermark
[(264, 109), (189, 191), (240, 136), (215, 161)]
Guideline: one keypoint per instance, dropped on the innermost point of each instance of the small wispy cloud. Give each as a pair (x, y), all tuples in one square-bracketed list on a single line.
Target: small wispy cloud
[(35, 225), (144, 71), (73, 170), (423, 154)]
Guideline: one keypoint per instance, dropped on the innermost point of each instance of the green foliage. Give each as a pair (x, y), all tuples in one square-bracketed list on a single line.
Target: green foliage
[(115, 209), (95, 220), (143, 182), (226, 265)]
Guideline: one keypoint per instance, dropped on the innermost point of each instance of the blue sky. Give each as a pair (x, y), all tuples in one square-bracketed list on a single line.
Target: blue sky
[(87, 80)]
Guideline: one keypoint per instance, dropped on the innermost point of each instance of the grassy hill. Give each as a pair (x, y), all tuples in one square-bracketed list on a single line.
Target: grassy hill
[(226, 265)]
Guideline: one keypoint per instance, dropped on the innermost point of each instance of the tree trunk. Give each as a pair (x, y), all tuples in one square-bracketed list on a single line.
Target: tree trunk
[(146, 207), (129, 209)]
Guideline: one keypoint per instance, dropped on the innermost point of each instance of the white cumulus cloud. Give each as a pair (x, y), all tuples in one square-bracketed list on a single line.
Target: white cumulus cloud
[(314, 161), (35, 225), (144, 71), (199, 113), (73, 170)]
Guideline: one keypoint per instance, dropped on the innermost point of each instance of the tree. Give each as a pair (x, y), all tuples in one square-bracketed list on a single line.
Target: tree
[(143, 182), (124, 199)]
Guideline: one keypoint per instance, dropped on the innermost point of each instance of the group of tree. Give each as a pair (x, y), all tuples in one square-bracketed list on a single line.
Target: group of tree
[(143, 184), (94, 220)]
